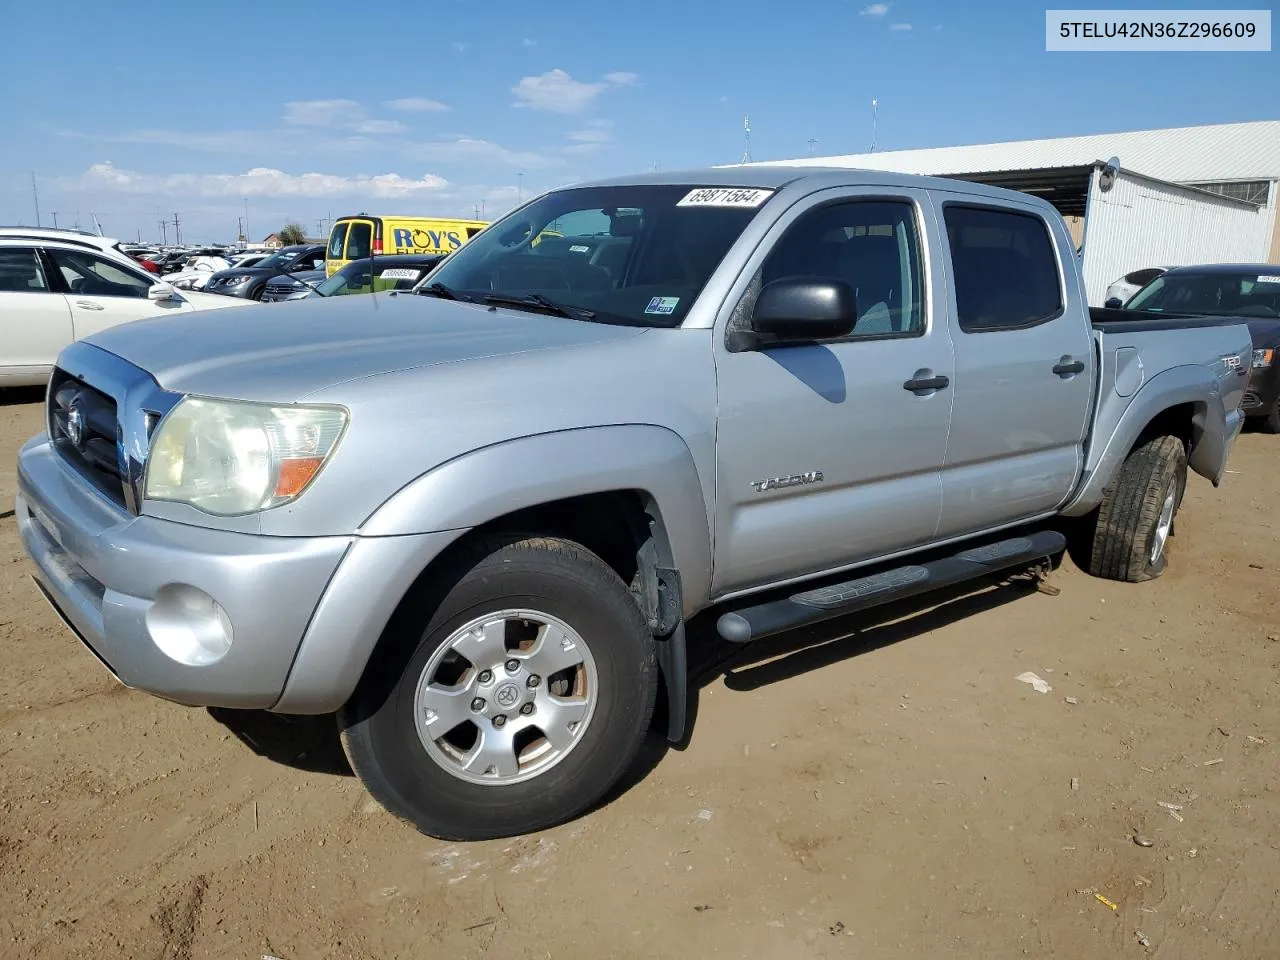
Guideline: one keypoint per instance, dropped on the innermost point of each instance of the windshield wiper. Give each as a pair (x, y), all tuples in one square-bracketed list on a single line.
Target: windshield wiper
[(438, 289), (543, 303)]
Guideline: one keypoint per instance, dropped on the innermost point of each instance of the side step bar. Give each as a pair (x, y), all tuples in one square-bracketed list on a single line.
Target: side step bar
[(838, 599)]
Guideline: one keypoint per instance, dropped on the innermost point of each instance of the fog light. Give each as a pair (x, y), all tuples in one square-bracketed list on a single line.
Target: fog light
[(189, 626)]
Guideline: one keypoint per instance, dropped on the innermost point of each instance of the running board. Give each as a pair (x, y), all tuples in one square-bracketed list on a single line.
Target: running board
[(813, 606)]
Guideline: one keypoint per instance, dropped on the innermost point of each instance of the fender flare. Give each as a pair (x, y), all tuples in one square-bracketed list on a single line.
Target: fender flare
[(484, 484), (1211, 433)]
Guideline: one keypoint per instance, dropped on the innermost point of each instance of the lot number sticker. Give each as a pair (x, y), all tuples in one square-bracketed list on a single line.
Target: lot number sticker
[(724, 197), (400, 273), (1268, 278)]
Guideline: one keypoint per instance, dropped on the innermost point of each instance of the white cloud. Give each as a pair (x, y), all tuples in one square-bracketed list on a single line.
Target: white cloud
[(257, 182), (471, 150), (875, 10), (381, 126), (594, 135), (322, 113), (528, 43), (416, 105), (215, 141), (557, 92), (459, 46), (900, 27)]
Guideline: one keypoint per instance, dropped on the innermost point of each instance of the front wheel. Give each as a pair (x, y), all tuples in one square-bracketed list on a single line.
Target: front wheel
[(1136, 516), (511, 703)]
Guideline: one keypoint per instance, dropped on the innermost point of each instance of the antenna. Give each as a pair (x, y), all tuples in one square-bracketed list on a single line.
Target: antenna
[(97, 223), (35, 194), (811, 141), (746, 138), (875, 105)]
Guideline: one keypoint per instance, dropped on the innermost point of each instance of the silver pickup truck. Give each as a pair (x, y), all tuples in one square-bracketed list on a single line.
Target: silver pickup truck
[(472, 520)]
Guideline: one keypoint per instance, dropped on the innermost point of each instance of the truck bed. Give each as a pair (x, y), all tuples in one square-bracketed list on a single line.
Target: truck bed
[(1108, 320)]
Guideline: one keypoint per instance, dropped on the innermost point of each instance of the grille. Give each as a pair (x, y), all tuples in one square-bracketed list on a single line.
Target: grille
[(84, 431), (280, 290)]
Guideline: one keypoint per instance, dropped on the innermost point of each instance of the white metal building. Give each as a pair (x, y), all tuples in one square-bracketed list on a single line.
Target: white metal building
[(1181, 195)]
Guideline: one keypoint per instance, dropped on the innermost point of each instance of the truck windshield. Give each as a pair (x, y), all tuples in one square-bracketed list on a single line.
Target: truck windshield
[(636, 255), (1217, 293)]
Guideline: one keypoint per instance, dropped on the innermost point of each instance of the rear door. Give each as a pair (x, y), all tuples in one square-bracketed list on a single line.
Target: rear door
[(35, 321), (103, 293), (1023, 363)]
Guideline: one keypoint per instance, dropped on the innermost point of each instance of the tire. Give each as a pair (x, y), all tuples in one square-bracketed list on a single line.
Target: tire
[(1270, 421), (257, 293), (1127, 544), (427, 780)]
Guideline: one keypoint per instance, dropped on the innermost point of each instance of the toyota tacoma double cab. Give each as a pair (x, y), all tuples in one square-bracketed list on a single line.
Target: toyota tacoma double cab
[(472, 520)]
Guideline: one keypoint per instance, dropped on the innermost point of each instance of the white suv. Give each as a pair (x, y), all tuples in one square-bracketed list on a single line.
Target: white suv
[(56, 287)]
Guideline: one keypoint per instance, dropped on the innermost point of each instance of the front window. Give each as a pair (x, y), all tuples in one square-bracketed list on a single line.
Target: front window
[(636, 254), (92, 276), (1225, 293), (355, 278), (278, 261)]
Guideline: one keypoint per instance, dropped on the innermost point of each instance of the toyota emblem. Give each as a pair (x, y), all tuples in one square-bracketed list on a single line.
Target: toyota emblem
[(75, 425)]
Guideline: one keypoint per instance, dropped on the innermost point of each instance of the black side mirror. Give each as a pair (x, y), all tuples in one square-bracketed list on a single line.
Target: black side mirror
[(801, 310), (1113, 303)]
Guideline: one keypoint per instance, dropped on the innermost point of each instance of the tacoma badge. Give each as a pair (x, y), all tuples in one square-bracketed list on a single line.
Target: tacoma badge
[(795, 480)]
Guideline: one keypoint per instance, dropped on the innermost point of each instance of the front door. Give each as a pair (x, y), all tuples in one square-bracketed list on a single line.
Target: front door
[(1024, 368), (830, 453), (103, 293)]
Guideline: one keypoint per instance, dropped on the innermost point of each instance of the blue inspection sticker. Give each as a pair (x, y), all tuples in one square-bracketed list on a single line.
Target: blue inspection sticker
[(662, 305)]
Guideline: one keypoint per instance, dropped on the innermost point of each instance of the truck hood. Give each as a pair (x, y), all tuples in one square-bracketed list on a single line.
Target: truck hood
[(284, 351), (1265, 333)]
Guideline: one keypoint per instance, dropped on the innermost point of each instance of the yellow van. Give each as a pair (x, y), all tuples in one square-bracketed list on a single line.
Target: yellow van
[(352, 238)]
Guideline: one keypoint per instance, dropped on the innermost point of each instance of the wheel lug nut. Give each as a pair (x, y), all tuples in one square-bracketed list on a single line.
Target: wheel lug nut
[(477, 704), (527, 709), (486, 676), (499, 721), (533, 681), (513, 666)]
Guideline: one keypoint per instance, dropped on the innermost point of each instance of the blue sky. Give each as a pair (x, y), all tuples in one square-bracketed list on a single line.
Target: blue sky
[(318, 109)]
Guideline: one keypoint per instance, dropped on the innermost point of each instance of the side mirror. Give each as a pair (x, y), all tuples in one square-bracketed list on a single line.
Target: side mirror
[(1113, 303), (802, 310), (161, 292)]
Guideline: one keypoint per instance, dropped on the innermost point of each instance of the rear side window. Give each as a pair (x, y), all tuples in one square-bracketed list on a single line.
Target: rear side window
[(337, 240), (20, 271), (1006, 272), (1142, 277), (359, 240)]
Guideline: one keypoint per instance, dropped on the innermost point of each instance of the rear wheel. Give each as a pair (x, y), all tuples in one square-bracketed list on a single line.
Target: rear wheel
[(1270, 421), (512, 702), (1135, 519)]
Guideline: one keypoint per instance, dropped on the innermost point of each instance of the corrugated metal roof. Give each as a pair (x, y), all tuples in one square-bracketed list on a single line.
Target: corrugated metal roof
[(1223, 151)]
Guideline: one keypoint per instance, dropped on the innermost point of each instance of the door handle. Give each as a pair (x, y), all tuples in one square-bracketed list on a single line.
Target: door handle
[(1067, 367), (88, 305), (924, 380)]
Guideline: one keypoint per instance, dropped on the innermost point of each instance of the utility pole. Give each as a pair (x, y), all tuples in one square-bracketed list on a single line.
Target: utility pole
[(55, 218), (477, 210), (875, 106), (482, 209), (746, 139), (177, 229), (812, 141), (519, 187), (164, 232), (246, 219), (35, 194)]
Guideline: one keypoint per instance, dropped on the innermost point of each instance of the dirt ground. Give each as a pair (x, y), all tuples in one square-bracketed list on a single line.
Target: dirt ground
[(886, 790)]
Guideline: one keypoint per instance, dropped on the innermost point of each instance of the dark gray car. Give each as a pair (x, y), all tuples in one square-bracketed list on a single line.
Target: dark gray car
[(249, 283)]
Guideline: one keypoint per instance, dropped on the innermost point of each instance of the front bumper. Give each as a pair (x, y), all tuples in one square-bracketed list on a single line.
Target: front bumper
[(304, 613), (1262, 392)]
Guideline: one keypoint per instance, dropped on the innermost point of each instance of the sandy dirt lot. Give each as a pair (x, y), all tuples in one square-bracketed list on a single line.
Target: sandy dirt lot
[(885, 790)]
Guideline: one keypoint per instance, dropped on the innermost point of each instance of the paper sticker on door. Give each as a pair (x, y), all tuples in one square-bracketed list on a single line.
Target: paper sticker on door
[(662, 305), (724, 197)]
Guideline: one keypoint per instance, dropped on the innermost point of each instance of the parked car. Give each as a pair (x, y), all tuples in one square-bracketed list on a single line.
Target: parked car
[(195, 272), (292, 286), (1121, 290), (57, 290), (395, 272), (108, 245), (473, 521), (1248, 292), (354, 238), (250, 283)]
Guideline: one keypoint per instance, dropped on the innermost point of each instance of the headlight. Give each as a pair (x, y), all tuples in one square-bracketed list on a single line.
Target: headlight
[(183, 284), (1262, 358), (231, 457), (237, 280)]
